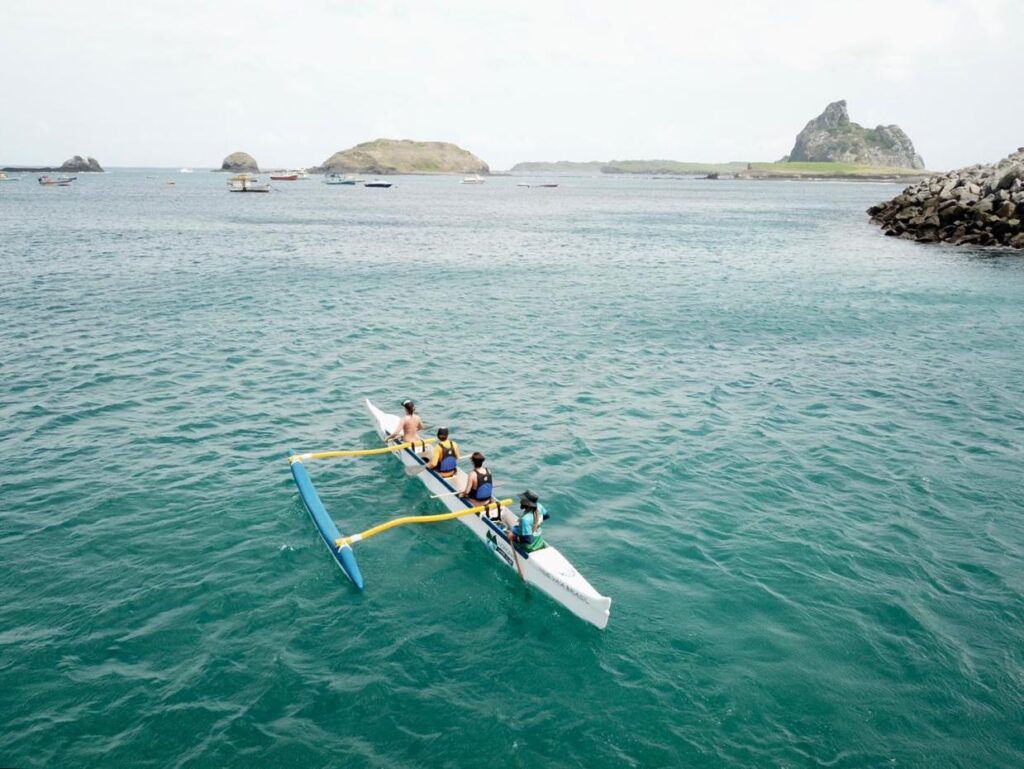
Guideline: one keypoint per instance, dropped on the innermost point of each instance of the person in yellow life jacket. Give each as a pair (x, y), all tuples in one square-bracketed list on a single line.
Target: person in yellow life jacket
[(446, 455)]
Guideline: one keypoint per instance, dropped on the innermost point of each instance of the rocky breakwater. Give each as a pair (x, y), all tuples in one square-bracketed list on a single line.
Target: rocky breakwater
[(981, 205)]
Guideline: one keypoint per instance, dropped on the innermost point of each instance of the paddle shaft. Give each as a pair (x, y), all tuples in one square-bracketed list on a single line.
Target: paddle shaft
[(453, 493)]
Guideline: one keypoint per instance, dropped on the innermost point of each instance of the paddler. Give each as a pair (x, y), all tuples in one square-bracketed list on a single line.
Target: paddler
[(526, 528), (479, 482), (409, 426), (446, 455)]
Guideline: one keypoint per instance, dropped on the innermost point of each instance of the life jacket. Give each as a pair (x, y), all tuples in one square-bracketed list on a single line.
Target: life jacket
[(524, 530), (484, 485), (449, 458)]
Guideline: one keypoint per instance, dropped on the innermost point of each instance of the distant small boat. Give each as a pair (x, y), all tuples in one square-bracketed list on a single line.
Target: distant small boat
[(291, 176), (184, 170), (526, 184), (474, 179), (549, 184), (62, 181), (5, 178), (339, 179), (170, 182), (246, 183), (377, 183)]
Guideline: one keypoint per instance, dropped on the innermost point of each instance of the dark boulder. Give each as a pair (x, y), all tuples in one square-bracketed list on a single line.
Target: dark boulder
[(979, 205)]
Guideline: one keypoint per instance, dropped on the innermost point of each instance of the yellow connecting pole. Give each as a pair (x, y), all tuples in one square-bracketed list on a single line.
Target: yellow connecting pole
[(359, 452), (420, 519)]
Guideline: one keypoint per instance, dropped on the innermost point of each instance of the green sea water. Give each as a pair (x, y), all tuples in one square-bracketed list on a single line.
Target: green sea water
[(788, 447)]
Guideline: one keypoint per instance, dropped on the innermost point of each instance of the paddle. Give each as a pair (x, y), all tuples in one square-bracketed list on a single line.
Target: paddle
[(358, 452), (419, 519), (453, 493), (515, 555), (415, 469)]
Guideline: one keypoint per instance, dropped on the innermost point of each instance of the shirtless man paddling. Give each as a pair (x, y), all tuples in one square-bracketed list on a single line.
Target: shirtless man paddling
[(409, 426)]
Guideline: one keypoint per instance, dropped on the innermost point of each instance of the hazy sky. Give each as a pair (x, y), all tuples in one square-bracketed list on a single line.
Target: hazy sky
[(181, 83)]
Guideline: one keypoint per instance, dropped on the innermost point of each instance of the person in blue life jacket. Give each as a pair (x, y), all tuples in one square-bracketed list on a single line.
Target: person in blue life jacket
[(479, 482), (525, 529), (446, 455)]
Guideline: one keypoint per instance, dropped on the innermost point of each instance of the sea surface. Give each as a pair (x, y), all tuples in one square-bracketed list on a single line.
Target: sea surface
[(789, 448)]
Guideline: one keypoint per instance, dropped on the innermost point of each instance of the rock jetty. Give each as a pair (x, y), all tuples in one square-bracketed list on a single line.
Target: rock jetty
[(403, 156), (831, 137), (240, 163), (981, 205)]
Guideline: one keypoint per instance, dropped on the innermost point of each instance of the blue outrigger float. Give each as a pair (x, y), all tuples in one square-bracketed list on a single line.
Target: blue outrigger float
[(329, 533)]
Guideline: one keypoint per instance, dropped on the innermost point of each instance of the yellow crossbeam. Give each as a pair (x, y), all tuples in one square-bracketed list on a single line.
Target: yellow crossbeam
[(420, 519), (359, 452)]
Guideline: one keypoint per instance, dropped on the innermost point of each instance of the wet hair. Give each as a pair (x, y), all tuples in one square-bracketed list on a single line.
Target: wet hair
[(442, 433), (409, 406), (478, 459)]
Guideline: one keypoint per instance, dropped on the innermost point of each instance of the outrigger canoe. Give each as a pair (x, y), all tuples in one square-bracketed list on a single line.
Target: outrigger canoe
[(546, 568)]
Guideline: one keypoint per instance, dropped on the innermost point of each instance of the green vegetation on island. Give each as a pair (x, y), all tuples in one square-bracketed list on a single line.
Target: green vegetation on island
[(828, 170), (739, 170)]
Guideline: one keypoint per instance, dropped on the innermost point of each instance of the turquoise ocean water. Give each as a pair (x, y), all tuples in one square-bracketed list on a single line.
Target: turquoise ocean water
[(788, 447)]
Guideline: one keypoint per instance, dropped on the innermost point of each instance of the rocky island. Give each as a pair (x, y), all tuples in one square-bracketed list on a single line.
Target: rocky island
[(403, 156), (980, 205), (240, 163), (73, 165), (833, 138)]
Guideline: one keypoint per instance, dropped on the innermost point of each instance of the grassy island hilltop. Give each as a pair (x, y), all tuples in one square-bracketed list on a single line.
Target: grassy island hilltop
[(403, 156)]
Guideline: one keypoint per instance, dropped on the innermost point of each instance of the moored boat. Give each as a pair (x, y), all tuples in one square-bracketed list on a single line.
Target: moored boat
[(339, 179), (5, 178), (60, 181), (474, 179), (247, 183), (544, 568), (290, 176), (377, 183)]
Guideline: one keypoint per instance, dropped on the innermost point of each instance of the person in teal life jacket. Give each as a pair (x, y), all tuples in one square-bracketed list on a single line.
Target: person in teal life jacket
[(446, 455), (479, 482), (525, 530)]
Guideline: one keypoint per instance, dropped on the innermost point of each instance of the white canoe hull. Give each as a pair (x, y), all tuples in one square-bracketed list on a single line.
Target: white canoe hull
[(546, 569)]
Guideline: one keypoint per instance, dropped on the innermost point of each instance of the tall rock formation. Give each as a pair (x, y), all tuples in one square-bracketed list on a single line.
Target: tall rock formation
[(402, 156), (239, 163), (831, 137)]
